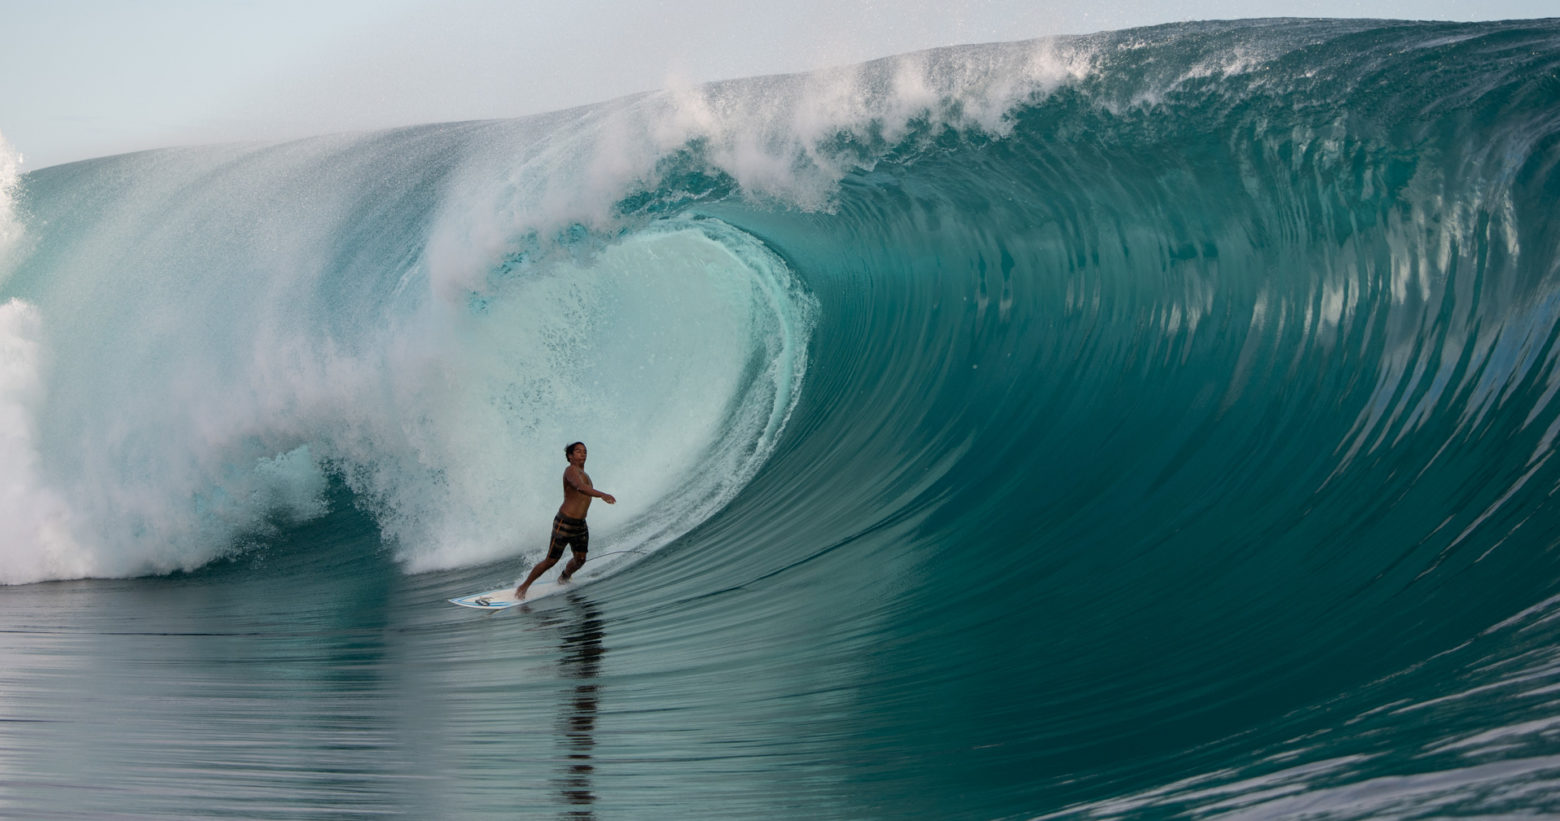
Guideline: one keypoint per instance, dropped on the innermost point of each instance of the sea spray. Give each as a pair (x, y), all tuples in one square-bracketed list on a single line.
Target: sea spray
[(35, 532), (35, 538)]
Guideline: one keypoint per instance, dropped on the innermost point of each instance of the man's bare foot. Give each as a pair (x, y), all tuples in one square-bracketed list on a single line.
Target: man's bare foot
[(563, 579), (520, 593)]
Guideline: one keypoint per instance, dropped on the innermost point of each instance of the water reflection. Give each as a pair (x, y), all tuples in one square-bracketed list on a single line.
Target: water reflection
[(579, 663)]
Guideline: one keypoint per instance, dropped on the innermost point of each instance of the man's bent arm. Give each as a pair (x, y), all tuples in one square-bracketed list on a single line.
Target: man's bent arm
[(581, 487)]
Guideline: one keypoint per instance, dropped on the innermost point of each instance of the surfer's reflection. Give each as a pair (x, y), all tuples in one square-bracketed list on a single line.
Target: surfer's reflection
[(580, 663)]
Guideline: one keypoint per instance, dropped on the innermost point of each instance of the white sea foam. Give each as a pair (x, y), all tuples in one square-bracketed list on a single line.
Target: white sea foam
[(778, 138), (35, 529), (775, 135), (35, 532)]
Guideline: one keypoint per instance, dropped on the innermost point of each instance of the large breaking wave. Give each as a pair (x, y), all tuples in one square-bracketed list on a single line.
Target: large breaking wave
[(1145, 389)]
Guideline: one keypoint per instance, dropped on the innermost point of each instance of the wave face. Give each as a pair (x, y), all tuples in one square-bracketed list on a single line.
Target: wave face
[(1146, 423)]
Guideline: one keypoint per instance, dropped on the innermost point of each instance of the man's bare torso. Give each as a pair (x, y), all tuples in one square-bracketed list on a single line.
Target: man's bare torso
[(575, 504)]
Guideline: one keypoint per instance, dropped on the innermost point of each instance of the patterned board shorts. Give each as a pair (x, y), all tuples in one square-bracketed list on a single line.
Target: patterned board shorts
[(566, 532)]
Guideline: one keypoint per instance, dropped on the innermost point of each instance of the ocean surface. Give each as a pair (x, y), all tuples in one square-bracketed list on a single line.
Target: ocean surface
[(1156, 423)]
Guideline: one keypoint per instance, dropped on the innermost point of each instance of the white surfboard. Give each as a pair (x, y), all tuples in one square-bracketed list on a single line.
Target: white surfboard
[(504, 598)]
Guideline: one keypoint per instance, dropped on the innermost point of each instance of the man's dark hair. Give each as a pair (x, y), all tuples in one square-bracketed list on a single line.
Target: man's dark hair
[(568, 450)]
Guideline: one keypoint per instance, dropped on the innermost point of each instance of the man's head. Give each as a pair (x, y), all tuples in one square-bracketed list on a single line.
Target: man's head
[(568, 451)]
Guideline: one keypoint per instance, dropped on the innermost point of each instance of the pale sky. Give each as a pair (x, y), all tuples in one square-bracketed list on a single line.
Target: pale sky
[(85, 78)]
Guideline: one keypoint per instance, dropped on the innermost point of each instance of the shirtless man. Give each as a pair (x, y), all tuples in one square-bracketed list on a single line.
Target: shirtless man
[(569, 525)]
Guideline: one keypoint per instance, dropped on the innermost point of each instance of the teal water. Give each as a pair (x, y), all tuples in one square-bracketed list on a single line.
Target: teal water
[(1151, 424)]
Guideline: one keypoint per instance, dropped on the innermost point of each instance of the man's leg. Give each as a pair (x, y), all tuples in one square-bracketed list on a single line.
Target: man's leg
[(541, 567), (574, 564)]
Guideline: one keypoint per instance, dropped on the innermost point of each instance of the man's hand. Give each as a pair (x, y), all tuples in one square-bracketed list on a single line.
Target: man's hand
[(607, 497)]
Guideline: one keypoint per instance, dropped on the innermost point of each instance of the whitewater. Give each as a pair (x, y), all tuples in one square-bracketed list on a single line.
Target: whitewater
[(1144, 424)]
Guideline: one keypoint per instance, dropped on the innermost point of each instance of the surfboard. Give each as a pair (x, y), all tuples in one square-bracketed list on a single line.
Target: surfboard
[(504, 597)]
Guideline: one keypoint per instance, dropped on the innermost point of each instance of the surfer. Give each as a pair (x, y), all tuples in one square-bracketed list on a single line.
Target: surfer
[(568, 527)]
